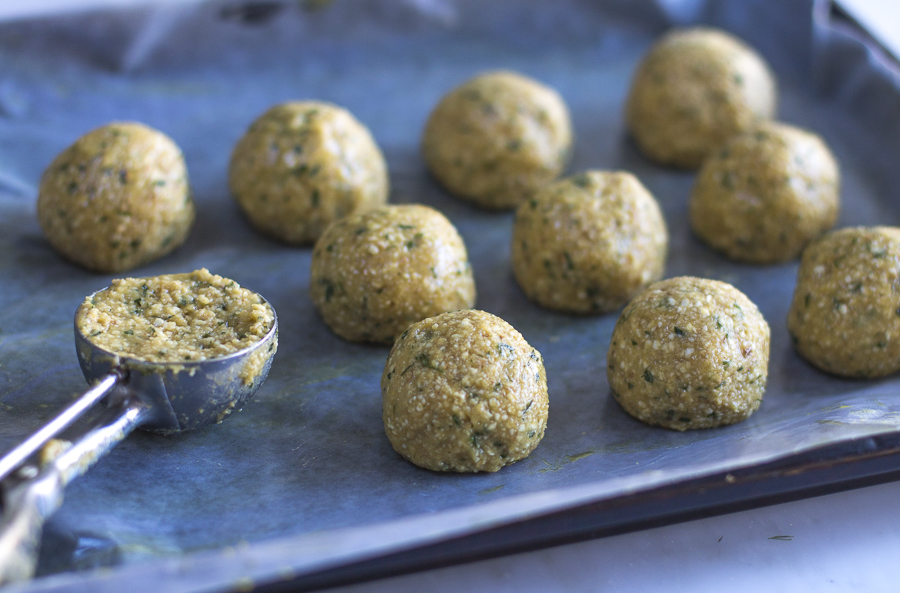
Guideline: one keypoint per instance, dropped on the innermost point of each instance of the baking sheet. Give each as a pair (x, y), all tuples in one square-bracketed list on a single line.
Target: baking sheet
[(304, 478)]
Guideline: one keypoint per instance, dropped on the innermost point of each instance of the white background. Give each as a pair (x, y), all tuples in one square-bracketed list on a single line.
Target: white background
[(842, 542)]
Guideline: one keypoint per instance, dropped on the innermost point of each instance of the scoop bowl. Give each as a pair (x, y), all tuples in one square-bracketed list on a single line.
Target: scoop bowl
[(184, 395)]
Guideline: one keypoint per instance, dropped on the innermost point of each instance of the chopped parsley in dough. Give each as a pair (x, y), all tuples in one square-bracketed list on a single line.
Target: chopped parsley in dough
[(497, 138), (589, 243), (693, 90), (117, 198), (689, 353), (845, 315), (374, 274), (303, 165), (464, 392), (174, 318), (766, 194)]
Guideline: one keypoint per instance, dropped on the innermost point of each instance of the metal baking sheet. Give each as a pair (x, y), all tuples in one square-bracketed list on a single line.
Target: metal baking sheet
[(303, 479)]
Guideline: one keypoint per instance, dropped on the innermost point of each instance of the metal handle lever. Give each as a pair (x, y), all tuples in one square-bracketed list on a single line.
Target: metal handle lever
[(28, 504), (63, 420)]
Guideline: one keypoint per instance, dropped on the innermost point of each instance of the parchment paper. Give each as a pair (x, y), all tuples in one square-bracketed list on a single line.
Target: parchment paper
[(304, 478)]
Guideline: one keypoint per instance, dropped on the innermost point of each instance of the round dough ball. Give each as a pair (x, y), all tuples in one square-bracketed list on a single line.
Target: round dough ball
[(464, 392), (375, 273), (692, 91), (497, 138), (117, 198), (845, 317), (589, 243), (766, 194), (689, 353), (303, 165)]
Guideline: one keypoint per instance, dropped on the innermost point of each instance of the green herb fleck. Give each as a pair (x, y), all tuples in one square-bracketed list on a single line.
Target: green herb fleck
[(727, 181), (329, 289), (504, 347), (581, 180), (648, 376), (425, 360)]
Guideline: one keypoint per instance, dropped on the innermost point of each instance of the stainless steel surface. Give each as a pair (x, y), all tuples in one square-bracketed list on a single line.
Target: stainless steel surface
[(304, 479), (26, 505), (15, 457), (167, 398)]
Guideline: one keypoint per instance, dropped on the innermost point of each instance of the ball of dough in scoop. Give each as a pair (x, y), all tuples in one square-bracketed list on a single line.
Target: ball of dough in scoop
[(766, 194), (464, 392), (589, 243), (373, 274), (845, 315), (689, 353), (497, 138), (692, 91), (303, 165), (117, 198)]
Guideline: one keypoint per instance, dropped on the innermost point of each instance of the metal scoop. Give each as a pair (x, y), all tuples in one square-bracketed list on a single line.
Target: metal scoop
[(165, 398)]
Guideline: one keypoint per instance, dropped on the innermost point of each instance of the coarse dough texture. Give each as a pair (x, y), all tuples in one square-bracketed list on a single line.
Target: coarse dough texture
[(589, 243), (497, 138), (117, 198), (464, 392), (689, 353), (766, 194), (303, 165), (374, 274), (845, 314), (693, 90), (174, 318)]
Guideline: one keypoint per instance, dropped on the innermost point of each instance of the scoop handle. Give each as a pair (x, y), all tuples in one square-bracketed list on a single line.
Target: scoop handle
[(17, 456), (27, 504)]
